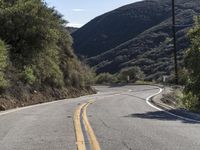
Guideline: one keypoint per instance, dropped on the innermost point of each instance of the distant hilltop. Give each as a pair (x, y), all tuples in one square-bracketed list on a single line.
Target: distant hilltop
[(137, 34)]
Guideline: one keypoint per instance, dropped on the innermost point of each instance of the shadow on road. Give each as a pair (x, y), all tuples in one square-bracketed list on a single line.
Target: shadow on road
[(117, 85), (163, 116)]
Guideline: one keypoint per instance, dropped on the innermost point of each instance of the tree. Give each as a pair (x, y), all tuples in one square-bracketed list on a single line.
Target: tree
[(131, 74), (106, 78), (40, 45), (192, 61)]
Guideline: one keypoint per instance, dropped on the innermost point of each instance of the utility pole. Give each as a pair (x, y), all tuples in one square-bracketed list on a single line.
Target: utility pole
[(174, 37)]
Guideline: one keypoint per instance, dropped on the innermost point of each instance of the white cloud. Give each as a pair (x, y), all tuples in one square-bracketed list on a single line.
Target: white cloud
[(78, 10)]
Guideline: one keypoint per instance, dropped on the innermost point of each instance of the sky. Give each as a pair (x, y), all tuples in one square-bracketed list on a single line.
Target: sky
[(79, 12)]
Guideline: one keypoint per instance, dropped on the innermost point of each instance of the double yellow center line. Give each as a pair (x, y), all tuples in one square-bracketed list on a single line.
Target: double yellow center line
[(80, 115)]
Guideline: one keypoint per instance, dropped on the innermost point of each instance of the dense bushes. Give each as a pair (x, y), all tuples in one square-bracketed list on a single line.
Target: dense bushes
[(126, 75), (192, 61), (183, 77), (106, 78), (40, 47), (131, 74), (28, 75), (3, 64)]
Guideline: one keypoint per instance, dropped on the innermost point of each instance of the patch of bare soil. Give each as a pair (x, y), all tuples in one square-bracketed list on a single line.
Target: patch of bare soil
[(21, 96)]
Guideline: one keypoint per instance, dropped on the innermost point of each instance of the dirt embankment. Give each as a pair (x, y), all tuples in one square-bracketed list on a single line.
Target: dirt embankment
[(24, 96)]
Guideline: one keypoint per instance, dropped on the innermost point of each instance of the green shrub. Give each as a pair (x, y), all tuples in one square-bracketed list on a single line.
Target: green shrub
[(183, 77), (48, 71), (192, 61), (3, 64), (3, 82), (76, 79), (77, 74), (106, 78), (131, 74), (87, 75), (28, 75), (191, 102)]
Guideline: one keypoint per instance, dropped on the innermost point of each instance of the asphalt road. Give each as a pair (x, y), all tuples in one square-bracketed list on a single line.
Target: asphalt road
[(120, 117)]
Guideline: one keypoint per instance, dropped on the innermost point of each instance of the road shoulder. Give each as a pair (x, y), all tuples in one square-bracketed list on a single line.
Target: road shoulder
[(176, 112)]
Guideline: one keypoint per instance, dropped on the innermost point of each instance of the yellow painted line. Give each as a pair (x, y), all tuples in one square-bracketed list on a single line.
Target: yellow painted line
[(92, 138), (80, 142)]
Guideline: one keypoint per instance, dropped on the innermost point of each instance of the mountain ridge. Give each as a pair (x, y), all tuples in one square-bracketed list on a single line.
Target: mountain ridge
[(99, 28), (152, 48)]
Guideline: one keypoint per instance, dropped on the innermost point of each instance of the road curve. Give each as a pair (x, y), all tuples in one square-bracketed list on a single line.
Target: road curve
[(119, 116)]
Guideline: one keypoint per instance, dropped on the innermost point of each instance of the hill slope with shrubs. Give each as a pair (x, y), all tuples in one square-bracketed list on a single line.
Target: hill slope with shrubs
[(37, 62), (138, 34)]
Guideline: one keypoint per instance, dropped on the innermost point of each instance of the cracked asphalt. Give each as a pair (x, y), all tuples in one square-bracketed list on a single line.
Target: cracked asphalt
[(120, 118)]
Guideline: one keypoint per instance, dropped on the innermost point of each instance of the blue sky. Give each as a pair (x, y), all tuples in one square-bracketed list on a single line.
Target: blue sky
[(79, 12)]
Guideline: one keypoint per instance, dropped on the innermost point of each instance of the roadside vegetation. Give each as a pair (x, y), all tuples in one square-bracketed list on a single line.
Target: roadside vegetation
[(3, 65), (126, 75), (138, 34), (36, 55), (191, 98), (188, 97)]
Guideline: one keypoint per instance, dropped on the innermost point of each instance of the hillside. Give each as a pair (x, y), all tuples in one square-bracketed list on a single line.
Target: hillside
[(117, 26), (137, 34), (37, 62)]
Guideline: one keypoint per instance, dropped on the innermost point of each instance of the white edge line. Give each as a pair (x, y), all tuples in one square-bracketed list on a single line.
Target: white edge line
[(42, 104), (147, 101), (27, 107), (160, 109)]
